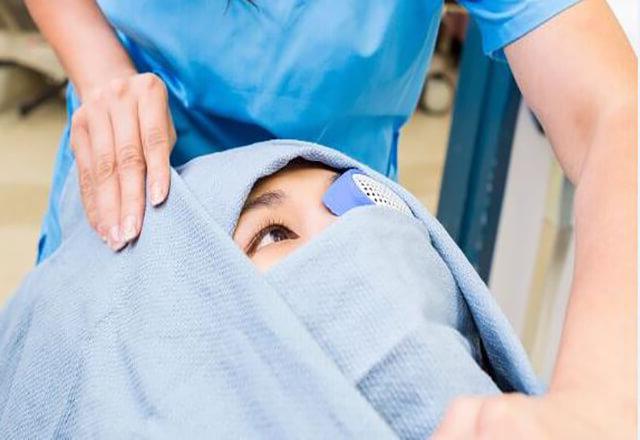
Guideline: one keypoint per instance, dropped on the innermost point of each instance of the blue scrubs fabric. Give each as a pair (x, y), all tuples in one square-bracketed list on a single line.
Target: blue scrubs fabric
[(344, 74)]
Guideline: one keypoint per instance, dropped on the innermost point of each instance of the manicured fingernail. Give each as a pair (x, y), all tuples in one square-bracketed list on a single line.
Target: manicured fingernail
[(156, 194), (115, 241), (129, 228)]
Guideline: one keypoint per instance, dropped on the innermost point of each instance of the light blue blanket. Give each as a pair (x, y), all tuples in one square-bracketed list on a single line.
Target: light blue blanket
[(369, 331)]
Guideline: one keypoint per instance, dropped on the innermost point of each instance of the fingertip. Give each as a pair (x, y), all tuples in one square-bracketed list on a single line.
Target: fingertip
[(102, 233), (114, 239), (158, 193), (130, 228)]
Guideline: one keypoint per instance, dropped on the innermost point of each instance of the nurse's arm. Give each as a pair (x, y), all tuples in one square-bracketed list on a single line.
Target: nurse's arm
[(578, 73), (83, 40), (122, 133)]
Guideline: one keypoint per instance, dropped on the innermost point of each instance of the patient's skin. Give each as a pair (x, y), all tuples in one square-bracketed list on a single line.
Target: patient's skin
[(283, 212)]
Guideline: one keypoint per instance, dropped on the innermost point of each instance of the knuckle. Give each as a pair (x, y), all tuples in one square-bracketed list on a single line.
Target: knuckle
[(153, 84), (130, 158), (155, 139), (85, 181), (118, 87), (96, 96), (105, 167), (150, 81), (96, 111)]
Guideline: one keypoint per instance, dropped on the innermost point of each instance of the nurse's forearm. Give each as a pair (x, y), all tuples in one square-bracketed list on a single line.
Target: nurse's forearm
[(598, 343), (83, 40), (578, 73)]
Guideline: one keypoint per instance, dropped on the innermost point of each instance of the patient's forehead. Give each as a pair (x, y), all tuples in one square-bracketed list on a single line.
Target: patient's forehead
[(298, 174)]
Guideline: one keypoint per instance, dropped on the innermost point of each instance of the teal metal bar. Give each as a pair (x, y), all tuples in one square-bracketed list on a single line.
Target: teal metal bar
[(482, 127)]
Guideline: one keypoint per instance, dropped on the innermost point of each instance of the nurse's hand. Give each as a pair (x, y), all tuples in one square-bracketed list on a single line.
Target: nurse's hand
[(566, 415), (122, 136)]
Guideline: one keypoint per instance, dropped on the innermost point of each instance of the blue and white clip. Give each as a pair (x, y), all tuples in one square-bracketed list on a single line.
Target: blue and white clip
[(354, 188)]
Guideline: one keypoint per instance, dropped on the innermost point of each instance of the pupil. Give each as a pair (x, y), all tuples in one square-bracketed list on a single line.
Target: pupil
[(278, 234)]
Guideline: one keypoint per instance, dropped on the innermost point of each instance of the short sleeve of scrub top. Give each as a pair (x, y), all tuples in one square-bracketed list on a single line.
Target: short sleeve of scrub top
[(501, 22), (344, 74)]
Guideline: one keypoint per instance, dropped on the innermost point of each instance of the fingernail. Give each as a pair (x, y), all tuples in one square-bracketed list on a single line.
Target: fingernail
[(102, 232), (129, 228), (115, 241), (156, 194), (115, 247)]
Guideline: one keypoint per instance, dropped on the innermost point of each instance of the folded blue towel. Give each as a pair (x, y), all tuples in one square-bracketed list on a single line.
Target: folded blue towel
[(368, 331)]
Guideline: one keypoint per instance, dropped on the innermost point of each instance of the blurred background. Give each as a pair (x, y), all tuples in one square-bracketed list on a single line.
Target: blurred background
[(472, 152)]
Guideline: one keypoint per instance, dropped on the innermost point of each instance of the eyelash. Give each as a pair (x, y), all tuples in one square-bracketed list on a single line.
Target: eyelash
[(266, 227)]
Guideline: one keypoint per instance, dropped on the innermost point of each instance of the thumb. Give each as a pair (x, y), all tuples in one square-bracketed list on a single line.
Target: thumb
[(459, 422)]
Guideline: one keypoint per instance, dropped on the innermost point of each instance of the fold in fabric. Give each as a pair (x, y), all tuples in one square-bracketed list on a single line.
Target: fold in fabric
[(368, 331)]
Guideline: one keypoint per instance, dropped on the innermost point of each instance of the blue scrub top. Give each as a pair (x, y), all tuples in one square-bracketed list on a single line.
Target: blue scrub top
[(346, 74)]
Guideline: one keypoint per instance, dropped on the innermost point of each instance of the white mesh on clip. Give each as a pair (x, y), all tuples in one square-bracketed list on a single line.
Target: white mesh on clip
[(380, 194)]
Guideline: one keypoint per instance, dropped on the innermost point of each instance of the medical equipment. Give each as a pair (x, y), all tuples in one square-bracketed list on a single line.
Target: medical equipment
[(354, 188)]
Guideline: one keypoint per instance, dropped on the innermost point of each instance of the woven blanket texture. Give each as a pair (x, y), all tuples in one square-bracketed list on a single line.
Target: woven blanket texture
[(368, 331)]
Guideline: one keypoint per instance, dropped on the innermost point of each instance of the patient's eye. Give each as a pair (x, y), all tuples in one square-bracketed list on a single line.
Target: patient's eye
[(270, 235)]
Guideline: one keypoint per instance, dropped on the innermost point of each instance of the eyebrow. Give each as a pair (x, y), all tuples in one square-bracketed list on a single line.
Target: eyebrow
[(266, 200), (270, 199)]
